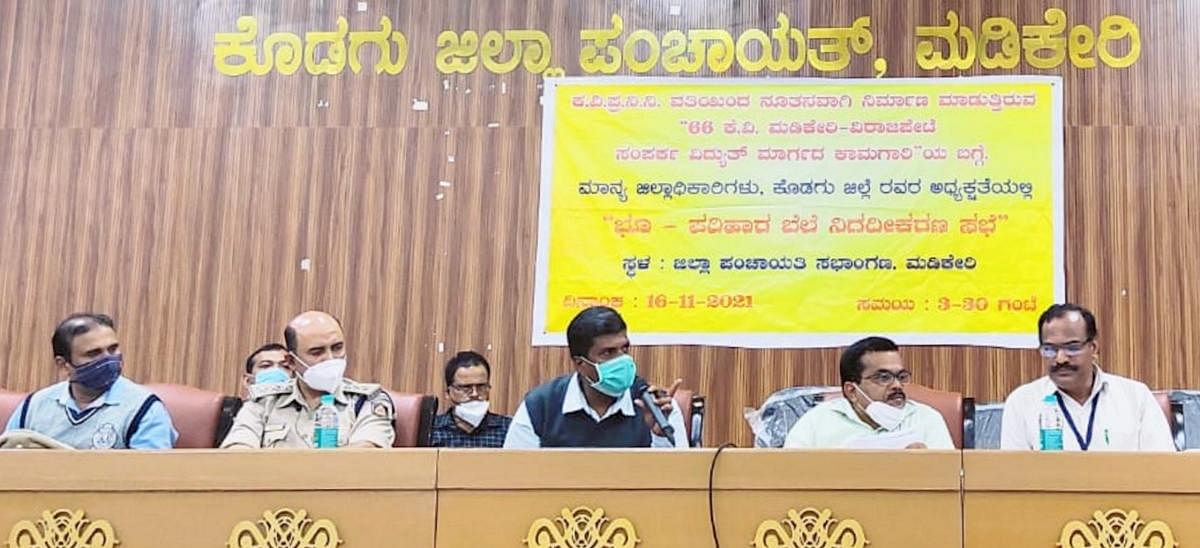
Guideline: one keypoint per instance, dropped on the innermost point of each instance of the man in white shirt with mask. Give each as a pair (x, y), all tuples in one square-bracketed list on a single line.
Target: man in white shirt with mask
[(281, 415), (1099, 411), (469, 422), (875, 412)]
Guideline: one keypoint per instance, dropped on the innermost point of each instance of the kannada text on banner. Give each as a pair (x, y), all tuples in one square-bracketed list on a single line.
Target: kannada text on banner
[(768, 213)]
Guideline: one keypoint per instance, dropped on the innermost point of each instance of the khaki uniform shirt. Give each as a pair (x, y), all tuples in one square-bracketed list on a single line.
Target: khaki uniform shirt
[(277, 416)]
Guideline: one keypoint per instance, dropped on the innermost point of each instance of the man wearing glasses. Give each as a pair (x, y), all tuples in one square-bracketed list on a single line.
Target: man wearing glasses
[(874, 412), (1100, 411), (468, 422)]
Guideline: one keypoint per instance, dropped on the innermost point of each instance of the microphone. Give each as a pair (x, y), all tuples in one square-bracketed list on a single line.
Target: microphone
[(641, 389)]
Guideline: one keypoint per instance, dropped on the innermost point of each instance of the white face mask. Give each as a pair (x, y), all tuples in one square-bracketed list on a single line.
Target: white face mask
[(471, 412), (886, 416), (325, 376)]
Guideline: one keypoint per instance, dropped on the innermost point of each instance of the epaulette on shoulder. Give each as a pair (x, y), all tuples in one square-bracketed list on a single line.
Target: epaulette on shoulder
[(359, 387)]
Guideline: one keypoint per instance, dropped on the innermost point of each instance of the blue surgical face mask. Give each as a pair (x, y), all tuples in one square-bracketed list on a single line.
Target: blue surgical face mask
[(614, 376), (271, 375), (99, 374)]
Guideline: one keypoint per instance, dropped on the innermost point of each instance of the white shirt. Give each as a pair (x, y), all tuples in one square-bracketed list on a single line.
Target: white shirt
[(1128, 418), (834, 424), (521, 434)]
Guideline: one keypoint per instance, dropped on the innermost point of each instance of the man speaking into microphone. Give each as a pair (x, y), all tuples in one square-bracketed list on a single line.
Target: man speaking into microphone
[(603, 403)]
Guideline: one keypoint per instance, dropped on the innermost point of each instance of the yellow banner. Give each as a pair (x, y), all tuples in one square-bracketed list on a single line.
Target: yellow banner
[(805, 212)]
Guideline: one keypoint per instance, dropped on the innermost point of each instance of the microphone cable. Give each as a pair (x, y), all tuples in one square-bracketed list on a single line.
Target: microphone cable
[(712, 515)]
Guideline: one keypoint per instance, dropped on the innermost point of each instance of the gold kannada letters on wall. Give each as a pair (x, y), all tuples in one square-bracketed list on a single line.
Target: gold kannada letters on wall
[(836, 40), (589, 55), (62, 528), (383, 40), (810, 528), (999, 44), (321, 52), (929, 58), (284, 528), (463, 52), (581, 526), (1117, 528), (784, 49)]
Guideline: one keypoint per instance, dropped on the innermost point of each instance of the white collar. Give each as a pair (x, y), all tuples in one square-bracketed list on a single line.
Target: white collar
[(574, 400), (64, 397)]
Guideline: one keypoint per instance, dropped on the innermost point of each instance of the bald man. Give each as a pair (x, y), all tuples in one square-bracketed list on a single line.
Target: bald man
[(280, 415)]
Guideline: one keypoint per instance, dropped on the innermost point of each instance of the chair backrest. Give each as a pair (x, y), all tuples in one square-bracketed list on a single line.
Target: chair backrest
[(414, 418), (9, 402), (772, 421), (1174, 413), (987, 426), (1163, 397), (691, 406), (230, 405), (194, 412), (1185, 405), (948, 404)]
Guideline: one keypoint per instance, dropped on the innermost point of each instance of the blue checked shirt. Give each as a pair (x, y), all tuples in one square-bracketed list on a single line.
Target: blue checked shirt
[(489, 433)]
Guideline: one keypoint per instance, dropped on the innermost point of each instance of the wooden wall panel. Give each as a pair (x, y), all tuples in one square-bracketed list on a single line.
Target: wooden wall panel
[(137, 180)]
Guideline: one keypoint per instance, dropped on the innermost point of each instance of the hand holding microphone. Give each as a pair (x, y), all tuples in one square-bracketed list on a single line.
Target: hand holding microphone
[(659, 403)]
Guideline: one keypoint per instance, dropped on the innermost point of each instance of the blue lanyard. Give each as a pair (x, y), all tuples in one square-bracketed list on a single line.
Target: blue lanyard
[(1083, 443)]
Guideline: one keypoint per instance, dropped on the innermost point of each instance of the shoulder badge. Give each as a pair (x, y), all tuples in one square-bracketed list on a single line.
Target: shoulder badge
[(261, 391), (382, 406)]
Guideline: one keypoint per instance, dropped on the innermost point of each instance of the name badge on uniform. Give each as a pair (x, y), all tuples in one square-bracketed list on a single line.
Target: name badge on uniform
[(274, 433)]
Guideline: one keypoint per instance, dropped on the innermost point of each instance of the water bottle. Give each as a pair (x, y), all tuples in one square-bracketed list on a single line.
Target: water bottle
[(325, 421), (1050, 424)]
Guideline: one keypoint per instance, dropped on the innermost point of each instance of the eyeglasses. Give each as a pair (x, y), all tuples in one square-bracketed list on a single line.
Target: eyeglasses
[(1071, 349), (469, 389), (886, 377)]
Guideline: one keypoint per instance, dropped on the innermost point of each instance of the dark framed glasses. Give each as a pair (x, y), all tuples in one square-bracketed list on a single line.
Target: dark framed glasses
[(886, 377)]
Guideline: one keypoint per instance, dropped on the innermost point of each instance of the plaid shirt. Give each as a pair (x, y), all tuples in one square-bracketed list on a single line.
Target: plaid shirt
[(489, 433)]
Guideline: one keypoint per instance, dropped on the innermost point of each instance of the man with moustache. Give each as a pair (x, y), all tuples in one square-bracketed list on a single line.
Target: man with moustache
[(875, 412), (1101, 411)]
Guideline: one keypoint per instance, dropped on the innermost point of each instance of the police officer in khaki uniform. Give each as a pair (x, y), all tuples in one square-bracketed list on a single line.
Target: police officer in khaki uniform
[(280, 415)]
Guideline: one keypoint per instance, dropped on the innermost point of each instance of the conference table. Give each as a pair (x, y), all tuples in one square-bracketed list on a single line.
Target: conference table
[(596, 498), (1081, 500)]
